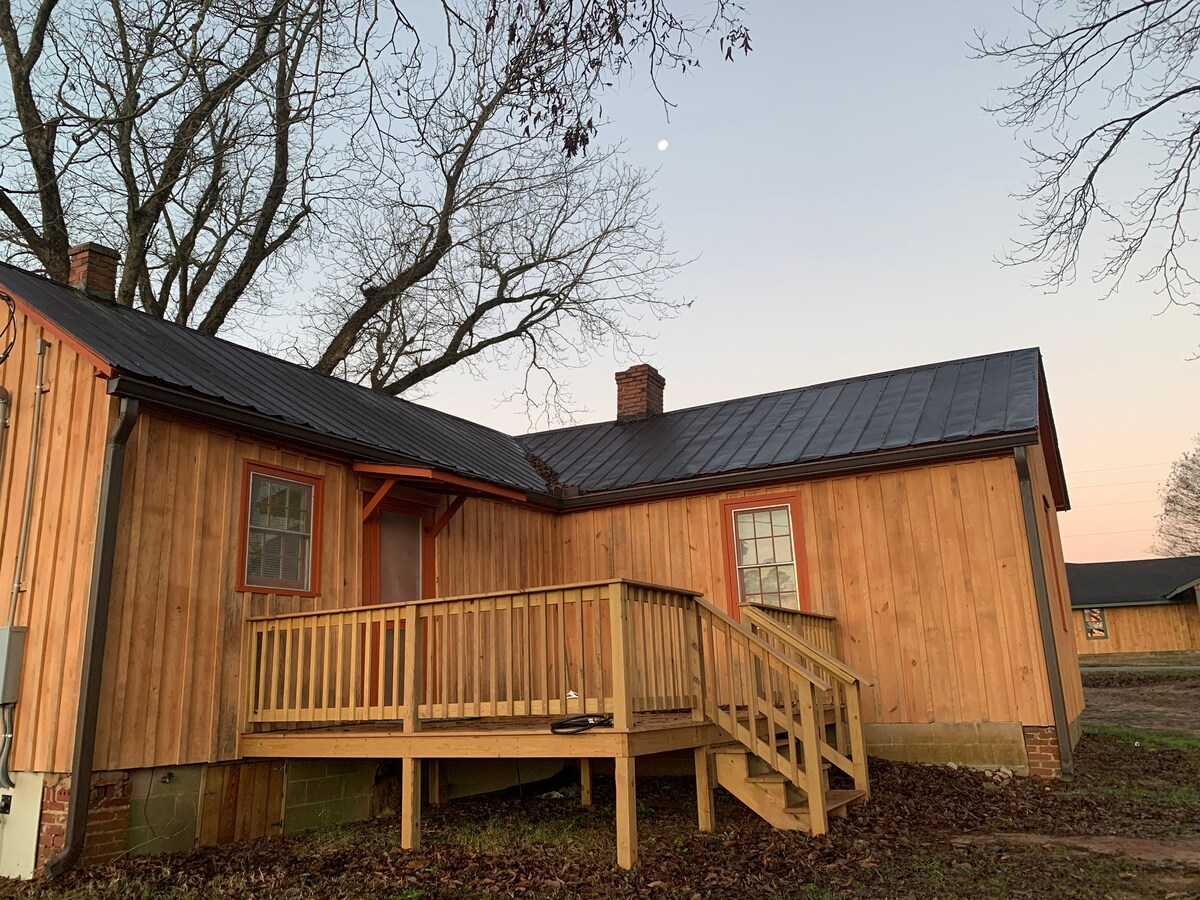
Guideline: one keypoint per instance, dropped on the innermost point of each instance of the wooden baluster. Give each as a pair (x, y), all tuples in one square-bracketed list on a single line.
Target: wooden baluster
[(695, 660)]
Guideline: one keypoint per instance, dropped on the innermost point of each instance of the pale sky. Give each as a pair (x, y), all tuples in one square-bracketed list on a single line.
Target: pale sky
[(847, 196)]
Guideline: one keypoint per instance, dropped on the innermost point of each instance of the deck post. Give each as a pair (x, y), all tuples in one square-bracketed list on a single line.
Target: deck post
[(619, 627), (858, 748), (585, 781), (413, 667), (410, 803), (704, 790), (626, 812)]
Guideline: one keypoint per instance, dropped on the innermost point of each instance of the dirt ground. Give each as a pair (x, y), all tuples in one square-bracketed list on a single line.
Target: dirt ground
[(1167, 701), (927, 832)]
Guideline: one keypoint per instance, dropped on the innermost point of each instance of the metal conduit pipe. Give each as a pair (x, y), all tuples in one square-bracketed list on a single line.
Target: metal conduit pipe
[(94, 637), (23, 540)]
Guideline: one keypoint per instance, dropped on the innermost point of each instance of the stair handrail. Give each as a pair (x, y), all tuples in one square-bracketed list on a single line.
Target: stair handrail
[(802, 670), (803, 647)]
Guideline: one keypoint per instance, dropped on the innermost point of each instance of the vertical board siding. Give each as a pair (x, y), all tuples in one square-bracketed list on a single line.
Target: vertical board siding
[(927, 570), (62, 535), (1143, 629), (170, 693)]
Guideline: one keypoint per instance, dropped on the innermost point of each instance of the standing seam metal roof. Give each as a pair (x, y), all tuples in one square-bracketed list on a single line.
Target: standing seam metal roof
[(935, 404), (908, 408), (147, 347)]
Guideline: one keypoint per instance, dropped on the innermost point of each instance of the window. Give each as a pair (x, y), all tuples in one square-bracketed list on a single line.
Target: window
[(280, 541), (1095, 628), (763, 545)]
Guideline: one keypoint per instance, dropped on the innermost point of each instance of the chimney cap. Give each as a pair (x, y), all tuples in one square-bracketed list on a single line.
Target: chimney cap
[(94, 247)]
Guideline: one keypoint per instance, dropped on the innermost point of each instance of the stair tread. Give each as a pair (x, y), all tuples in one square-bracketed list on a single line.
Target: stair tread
[(768, 778), (833, 799)]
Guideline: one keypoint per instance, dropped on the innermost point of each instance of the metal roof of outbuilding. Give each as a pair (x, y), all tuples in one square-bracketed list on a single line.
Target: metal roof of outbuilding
[(929, 405), (1131, 582)]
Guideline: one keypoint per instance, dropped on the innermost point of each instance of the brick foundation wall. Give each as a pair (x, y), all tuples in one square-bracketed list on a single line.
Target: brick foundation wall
[(52, 827), (107, 821), (108, 818), (1041, 746)]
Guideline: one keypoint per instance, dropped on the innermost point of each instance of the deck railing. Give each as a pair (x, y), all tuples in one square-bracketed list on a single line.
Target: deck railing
[(618, 647)]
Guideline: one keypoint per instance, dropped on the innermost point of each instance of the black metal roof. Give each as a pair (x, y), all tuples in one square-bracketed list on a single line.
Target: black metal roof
[(150, 348), (1131, 582), (940, 404), (935, 404)]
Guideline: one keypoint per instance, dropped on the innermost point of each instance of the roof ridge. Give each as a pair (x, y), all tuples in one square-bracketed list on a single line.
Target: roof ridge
[(801, 387)]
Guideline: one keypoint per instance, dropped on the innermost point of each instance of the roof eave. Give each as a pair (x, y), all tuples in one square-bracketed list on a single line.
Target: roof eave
[(215, 410), (970, 447)]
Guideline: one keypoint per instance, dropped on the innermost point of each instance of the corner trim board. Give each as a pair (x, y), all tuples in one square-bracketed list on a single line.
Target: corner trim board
[(1045, 617)]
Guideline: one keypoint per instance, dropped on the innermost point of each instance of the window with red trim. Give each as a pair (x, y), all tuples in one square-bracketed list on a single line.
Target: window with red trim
[(280, 539), (763, 544)]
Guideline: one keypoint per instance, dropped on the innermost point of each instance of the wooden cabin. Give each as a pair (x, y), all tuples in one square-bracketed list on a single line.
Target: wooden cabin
[(253, 599), (1137, 606)]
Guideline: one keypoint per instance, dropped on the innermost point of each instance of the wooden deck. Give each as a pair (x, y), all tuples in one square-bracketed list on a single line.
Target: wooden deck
[(484, 677), (512, 737)]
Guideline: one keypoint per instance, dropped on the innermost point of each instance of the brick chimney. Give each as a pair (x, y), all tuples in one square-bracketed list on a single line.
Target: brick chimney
[(639, 393), (94, 270)]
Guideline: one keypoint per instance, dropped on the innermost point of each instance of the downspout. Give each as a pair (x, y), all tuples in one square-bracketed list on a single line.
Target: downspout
[(1058, 704), (94, 637)]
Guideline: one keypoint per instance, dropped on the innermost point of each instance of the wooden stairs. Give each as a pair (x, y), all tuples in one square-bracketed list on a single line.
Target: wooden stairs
[(783, 742), (771, 794)]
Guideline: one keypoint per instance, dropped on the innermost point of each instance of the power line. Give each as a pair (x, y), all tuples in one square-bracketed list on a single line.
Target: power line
[(1083, 487), (1126, 531), (1117, 503), (1117, 468)]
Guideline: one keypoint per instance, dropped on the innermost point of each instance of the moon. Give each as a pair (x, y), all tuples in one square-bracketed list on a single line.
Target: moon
[(663, 144)]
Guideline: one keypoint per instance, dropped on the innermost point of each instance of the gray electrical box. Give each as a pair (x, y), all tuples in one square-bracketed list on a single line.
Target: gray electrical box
[(12, 652)]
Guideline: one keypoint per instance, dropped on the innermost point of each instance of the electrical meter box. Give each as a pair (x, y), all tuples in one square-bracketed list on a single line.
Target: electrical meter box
[(12, 652)]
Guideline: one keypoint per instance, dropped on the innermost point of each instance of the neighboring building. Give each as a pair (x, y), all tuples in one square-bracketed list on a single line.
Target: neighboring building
[(1136, 606), (229, 567)]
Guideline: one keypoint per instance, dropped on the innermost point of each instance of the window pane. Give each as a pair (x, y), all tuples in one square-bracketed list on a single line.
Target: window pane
[(260, 492), (787, 578), (747, 555), (783, 549), (762, 523), (770, 579), (750, 582), (766, 550), (745, 525), (779, 519), (789, 600)]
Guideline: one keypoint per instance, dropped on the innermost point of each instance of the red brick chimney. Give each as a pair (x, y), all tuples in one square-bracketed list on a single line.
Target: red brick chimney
[(639, 393), (94, 270)]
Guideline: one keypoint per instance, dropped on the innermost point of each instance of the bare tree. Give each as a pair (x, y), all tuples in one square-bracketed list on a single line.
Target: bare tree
[(1111, 90), (1179, 522), (477, 237), (219, 142)]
